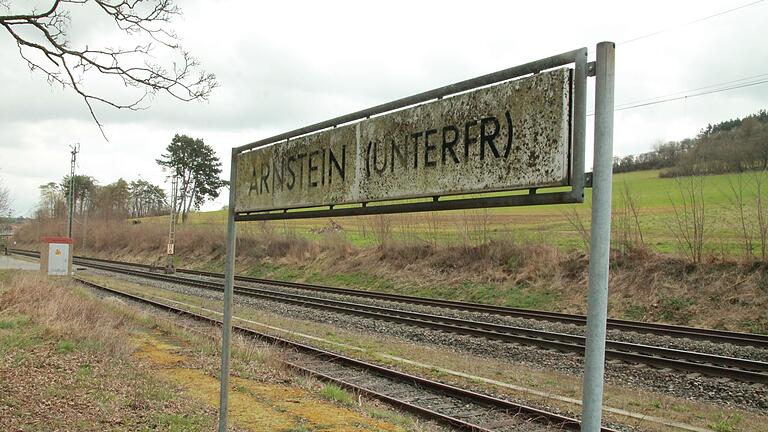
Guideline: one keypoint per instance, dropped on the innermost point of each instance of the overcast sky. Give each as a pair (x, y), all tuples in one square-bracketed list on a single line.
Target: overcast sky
[(283, 65)]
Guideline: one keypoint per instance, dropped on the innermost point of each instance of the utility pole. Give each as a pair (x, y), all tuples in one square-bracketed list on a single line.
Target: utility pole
[(75, 149), (169, 268), (85, 231)]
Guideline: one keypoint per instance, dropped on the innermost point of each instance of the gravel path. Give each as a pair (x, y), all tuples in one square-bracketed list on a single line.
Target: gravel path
[(689, 386), (10, 263)]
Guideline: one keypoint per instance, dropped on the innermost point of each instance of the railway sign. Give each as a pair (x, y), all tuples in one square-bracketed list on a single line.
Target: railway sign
[(521, 128), (513, 135)]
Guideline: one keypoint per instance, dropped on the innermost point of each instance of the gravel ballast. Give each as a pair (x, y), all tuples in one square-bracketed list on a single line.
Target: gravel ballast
[(689, 386)]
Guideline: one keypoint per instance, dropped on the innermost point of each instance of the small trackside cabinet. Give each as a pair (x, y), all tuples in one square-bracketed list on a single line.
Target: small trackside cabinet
[(56, 256)]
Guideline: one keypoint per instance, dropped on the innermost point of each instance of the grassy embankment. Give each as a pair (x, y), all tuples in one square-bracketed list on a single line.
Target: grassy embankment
[(70, 361), (524, 257)]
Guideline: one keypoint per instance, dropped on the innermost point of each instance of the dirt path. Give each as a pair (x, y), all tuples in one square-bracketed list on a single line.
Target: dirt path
[(255, 406)]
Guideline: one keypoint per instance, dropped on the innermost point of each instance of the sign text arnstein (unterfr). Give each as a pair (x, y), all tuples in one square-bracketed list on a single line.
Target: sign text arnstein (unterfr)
[(513, 135)]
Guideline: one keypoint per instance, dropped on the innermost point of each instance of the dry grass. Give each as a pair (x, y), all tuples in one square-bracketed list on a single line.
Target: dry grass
[(67, 364), (500, 269), (57, 306)]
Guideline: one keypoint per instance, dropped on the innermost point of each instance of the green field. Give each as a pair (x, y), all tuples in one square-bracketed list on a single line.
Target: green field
[(656, 199)]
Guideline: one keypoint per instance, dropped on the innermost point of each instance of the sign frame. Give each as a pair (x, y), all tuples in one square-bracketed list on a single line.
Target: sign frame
[(603, 69), (534, 196)]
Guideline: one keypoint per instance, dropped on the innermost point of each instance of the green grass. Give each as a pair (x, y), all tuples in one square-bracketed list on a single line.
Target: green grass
[(534, 299), (655, 197), (391, 417), (16, 334), (635, 312), (65, 346), (675, 309), (178, 423), (759, 326), (13, 322), (334, 393), (725, 423), (518, 296), (84, 371), (352, 279)]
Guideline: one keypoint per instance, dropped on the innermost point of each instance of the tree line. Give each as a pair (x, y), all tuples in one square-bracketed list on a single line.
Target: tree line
[(735, 145), (120, 199), (193, 162)]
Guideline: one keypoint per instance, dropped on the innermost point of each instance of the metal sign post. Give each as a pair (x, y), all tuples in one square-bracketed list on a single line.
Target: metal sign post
[(600, 248), (519, 131), (229, 282)]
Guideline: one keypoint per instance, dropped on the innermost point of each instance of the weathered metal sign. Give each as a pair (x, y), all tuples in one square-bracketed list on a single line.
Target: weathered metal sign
[(514, 135)]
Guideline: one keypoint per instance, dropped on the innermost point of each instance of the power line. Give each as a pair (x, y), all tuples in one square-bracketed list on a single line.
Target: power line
[(694, 95), (690, 22), (740, 80), (735, 87)]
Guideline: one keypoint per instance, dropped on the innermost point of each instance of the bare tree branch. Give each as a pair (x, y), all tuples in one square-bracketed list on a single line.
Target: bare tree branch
[(42, 40), (5, 201)]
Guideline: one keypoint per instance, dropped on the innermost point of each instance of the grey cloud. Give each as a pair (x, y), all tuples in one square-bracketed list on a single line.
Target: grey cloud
[(284, 65)]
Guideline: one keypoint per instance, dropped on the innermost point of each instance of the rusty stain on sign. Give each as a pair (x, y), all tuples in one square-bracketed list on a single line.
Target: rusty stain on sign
[(513, 135)]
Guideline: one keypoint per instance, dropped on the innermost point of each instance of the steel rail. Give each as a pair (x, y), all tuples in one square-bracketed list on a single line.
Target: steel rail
[(696, 333), (710, 335), (707, 364), (503, 405)]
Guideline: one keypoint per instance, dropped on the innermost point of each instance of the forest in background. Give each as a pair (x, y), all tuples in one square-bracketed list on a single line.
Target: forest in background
[(190, 161), (736, 145)]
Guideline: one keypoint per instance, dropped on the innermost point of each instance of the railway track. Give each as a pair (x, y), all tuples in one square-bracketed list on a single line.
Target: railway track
[(450, 405), (659, 357), (709, 335)]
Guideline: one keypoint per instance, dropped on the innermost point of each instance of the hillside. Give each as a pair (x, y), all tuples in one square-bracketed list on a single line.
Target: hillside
[(655, 198)]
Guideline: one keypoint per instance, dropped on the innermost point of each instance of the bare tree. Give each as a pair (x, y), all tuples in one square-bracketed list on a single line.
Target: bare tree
[(475, 228), (628, 233), (761, 204), (689, 226), (576, 220), (381, 226), (43, 42), (739, 203), (433, 227), (5, 200)]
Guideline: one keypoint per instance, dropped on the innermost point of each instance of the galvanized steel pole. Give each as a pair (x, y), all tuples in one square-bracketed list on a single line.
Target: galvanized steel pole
[(229, 280), (71, 201), (597, 312)]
